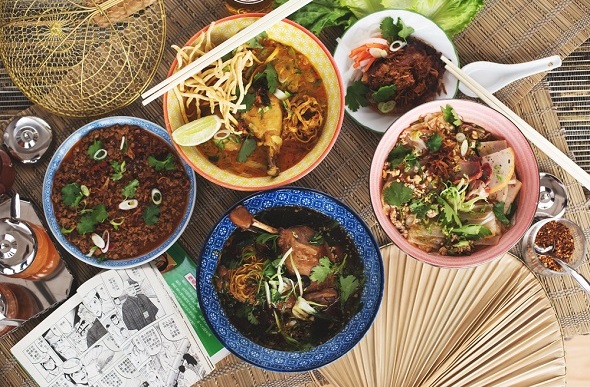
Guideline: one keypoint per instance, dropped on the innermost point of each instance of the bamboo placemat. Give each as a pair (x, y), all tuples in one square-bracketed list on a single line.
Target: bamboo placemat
[(505, 30)]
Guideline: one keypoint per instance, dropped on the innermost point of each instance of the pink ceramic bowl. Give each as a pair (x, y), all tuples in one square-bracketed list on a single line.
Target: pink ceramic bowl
[(526, 169)]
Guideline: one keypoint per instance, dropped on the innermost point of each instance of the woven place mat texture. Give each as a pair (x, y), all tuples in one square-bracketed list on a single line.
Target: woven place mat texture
[(344, 172)]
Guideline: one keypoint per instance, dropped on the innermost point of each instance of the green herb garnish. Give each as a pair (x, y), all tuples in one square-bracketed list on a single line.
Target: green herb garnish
[(434, 142), (151, 214), (248, 146), (118, 169), (385, 93), (356, 96), (348, 284), (320, 272), (129, 190), (395, 31), (71, 194), (397, 193), (91, 218), (166, 164)]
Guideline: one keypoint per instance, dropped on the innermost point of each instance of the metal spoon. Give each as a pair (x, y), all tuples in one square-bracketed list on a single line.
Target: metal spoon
[(580, 279), (494, 76)]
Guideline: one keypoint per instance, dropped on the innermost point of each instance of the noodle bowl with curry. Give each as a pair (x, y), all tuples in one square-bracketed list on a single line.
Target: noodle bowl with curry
[(279, 108)]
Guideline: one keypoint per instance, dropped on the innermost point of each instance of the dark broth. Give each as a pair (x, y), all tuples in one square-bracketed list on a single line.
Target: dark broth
[(305, 334)]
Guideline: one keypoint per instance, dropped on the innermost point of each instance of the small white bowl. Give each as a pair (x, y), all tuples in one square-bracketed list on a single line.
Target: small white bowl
[(424, 29)]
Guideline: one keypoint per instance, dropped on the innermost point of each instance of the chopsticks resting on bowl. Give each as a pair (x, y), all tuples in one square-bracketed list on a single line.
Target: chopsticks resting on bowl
[(224, 48), (529, 132)]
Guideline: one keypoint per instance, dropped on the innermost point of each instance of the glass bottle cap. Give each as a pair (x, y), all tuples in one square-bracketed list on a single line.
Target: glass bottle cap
[(27, 139), (552, 197)]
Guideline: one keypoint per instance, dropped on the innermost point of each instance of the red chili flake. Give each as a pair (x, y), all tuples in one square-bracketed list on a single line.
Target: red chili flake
[(559, 236)]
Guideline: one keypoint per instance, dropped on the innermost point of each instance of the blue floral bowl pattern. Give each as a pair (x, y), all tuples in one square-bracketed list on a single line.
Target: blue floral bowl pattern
[(53, 166), (282, 361)]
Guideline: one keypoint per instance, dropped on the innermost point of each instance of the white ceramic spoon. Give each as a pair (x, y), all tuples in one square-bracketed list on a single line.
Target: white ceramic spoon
[(494, 76)]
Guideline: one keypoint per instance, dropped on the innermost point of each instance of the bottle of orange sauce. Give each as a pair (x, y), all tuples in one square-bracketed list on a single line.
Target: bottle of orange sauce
[(26, 251)]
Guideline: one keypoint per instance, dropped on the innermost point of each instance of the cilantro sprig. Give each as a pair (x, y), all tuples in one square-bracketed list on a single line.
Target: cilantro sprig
[(159, 165), (393, 31), (397, 193), (91, 218), (151, 214), (71, 194)]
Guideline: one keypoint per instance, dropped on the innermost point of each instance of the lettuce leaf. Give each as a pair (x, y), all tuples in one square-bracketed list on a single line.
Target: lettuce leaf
[(321, 14), (362, 8), (450, 15)]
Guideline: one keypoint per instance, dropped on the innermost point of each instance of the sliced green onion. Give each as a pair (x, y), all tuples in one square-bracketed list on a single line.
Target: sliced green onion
[(91, 252), (122, 143), (221, 134), (299, 282), (100, 154), (281, 95), (267, 290), (66, 231), (156, 196), (115, 223), (85, 190), (128, 204)]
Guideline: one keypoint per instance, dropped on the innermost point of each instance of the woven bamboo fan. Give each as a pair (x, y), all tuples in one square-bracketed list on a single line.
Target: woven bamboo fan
[(491, 325), (82, 58)]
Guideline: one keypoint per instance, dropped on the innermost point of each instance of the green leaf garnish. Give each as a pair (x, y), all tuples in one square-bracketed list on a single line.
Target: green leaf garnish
[(118, 169), (434, 142), (248, 146), (419, 208), (271, 77), (472, 231), (397, 194), (385, 93), (71, 194), (320, 272), (348, 284), (356, 95), (499, 213), (91, 218), (316, 239), (94, 147), (166, 164), (394, 31), (451, 116), (151, 214), (129, 190)]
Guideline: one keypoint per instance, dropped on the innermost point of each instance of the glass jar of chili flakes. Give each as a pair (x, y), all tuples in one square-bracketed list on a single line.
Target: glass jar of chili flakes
[(558, 236)]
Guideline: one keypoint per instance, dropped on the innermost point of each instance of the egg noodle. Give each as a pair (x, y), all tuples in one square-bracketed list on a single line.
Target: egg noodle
[(220, 85)]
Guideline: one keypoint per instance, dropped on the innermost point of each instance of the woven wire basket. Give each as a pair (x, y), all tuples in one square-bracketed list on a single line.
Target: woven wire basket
[(82, 58)]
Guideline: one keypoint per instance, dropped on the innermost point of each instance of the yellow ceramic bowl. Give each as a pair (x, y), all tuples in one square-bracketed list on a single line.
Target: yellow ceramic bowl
[(290, 34)]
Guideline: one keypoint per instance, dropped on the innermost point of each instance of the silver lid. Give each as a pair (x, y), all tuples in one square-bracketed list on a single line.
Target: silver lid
[(552, 197), (27, 139), (18, 243)]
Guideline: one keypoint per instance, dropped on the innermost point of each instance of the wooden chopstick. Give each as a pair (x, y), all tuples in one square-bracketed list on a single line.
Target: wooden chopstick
[(527, 130), (224, 48)]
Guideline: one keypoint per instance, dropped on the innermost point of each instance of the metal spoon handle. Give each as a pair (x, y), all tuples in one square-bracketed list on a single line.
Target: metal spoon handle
[(580, 279), (583, 281)]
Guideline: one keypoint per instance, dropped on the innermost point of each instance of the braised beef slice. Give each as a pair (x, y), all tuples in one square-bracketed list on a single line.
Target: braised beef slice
[(305, 256), (416, 70)]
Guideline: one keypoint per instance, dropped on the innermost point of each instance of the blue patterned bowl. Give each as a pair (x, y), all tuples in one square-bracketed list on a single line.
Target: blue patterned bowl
[(53, 166), (347, 338)]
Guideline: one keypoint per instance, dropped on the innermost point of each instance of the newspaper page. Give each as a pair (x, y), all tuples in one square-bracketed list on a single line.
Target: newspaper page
[(121, 329)]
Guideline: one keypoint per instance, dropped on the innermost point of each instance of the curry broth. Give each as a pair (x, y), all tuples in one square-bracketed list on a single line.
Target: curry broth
[(297, 77)]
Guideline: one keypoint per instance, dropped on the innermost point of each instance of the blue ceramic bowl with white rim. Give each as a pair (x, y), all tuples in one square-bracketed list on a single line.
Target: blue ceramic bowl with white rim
[(53, 167), (335, 347)]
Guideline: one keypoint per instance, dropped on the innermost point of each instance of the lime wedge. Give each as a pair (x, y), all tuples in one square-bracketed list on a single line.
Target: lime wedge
[(197, 132)]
